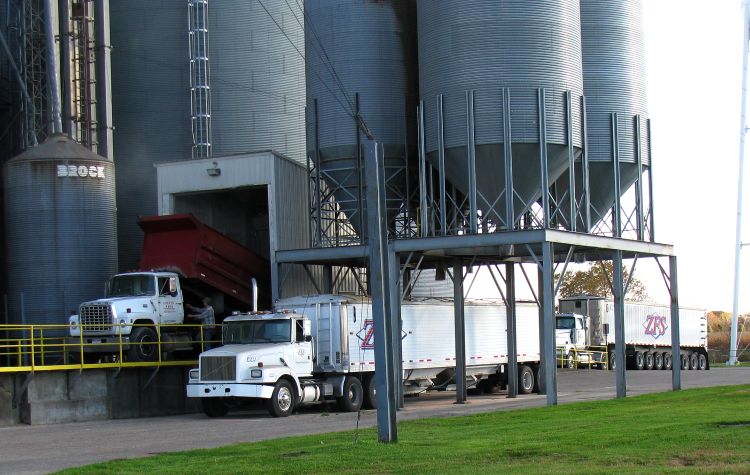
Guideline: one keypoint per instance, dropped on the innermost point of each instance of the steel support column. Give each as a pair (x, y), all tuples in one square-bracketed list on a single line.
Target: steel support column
[(547, 299), (471, 158), (619, 299), (379, 288), (543, 165), (423, 227), (395, 300), (327, 279), (510, 312), (510, 214), (573, 224), (104, 130), (639, 182), (617, 211), (441, 166), (585, 169), (675, 316), (459, 333), (542, 352)]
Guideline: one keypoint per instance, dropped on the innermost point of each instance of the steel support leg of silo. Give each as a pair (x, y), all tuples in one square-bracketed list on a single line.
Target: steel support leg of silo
[(441, 166), (542, 359), (380, 290), (547, 299), (617, 212), (510, 214), (585, 169), (395, 296), (458, 312), (675, 315), (543, 159), (573, 214), (510, 311), (619, 298)]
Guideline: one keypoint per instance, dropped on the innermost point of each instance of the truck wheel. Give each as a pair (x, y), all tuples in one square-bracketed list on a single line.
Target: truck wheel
[(693, 361), (649, 361), (214, 407), (639, 360), (684, 362), (143, 345), (525, 380), (370, 401), (702, 362), (658, 361), (667, 361), (281, 403), (612, 362), (351, 401)]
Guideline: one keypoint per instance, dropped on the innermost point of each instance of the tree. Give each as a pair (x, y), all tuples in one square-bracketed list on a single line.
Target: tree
[(596, 281)]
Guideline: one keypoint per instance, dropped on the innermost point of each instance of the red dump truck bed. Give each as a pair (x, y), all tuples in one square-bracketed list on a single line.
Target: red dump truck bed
[(180, 243)]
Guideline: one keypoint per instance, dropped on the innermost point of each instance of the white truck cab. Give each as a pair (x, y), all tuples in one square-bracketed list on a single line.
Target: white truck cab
[(135, 304), (265, 356)]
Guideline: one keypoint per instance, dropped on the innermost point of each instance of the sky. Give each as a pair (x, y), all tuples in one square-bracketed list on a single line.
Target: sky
[(694, 79)]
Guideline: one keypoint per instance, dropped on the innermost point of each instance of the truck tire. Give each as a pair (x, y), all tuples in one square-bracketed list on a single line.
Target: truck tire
[(370, 401), (351, 400), (525, 380), (658, 360), (143, 345), (214, 407), (639, 360), (667, 361), (702, 362), (693, 361), (648, 362), (684, 362), (282, 399)]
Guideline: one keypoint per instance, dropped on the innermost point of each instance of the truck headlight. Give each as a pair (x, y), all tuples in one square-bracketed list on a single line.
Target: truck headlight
[(256, 373), (193, 374)]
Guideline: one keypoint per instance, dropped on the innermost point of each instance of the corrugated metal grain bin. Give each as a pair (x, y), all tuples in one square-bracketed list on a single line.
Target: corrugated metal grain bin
[(60, 230), (486, 46), (368, 48), (614, 80), (257, 81)]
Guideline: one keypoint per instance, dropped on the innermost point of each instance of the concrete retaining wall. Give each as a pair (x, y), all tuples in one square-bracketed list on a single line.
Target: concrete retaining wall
[(96, 394)]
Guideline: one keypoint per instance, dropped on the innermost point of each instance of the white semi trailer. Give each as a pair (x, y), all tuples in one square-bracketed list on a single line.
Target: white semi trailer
[(316, 349), (586, 328)]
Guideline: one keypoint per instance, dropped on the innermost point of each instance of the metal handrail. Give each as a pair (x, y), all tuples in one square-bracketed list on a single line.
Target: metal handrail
[(29, 348), (594, 356)]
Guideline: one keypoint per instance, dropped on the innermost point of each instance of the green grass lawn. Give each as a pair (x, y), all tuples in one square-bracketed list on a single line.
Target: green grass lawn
[(690, 431)]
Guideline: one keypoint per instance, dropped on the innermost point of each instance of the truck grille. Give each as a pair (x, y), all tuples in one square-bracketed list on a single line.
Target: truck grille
[(96, 318), (218, 368)]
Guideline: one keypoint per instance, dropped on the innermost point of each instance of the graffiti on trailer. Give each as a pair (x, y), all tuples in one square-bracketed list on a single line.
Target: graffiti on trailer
[(655, 325)]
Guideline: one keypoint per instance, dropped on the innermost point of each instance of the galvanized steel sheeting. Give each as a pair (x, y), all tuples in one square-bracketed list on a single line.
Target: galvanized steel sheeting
[(486, 45), (60, 232), (614, 75), (371, 47), (257, 92)]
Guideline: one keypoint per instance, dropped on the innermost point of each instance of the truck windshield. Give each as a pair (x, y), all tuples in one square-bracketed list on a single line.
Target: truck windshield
[(566, 323), (132, 285), (257, 331)]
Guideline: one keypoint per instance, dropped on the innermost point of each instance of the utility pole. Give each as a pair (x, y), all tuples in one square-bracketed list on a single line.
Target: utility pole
[(738, 236)]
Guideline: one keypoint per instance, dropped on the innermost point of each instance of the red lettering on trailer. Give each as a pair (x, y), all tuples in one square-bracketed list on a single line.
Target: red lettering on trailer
[(655, 325)]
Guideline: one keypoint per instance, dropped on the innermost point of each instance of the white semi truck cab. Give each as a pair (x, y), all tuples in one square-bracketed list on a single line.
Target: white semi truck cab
[(267, 356), (135, 305)]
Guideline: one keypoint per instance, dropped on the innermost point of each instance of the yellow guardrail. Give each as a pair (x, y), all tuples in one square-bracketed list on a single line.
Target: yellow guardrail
[(28, 348), (592, 356)]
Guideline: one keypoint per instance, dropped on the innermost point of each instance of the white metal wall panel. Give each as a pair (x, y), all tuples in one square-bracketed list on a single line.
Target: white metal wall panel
[(651, 325)]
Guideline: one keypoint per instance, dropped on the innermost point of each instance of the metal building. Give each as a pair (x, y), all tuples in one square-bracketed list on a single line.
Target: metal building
[(500, 78), (193, 79), (60, 230), (361, 75)]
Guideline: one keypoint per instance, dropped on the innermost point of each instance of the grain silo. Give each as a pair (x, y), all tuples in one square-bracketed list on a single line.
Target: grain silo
[(361, 63), (60, 230), (614, 82), (256, 90), (503, 60)]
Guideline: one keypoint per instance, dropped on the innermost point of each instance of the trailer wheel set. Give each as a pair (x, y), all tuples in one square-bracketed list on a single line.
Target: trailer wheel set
[(657, 360)]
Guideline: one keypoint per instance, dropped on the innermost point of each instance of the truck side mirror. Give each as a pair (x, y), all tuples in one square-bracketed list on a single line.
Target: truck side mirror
[(308, 338), (173, 285)]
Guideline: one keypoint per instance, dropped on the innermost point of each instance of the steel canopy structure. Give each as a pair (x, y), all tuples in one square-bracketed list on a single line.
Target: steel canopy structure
[(546, 248)]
